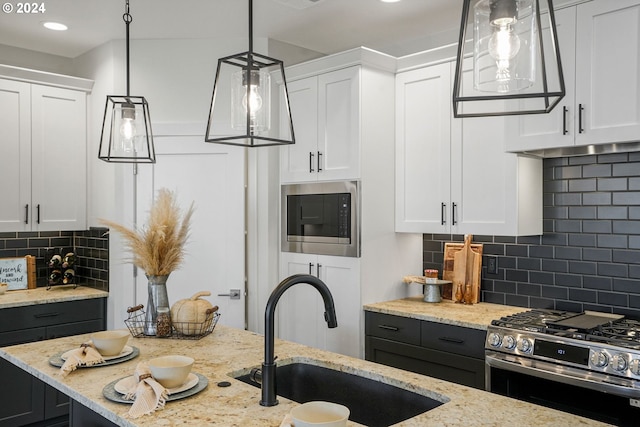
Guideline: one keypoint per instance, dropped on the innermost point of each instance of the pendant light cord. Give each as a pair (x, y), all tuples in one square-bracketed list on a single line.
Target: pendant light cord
[(127, 18)]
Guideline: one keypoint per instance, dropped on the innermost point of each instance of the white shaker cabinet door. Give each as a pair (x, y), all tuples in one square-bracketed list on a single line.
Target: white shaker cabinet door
[(556, 128), (15, 152), (299, 308), (339, 125), (608, 71), (59, 158), (423, 156), (298, 162)]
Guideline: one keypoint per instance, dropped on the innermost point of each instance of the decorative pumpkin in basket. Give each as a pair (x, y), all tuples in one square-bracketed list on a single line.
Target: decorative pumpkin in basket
[(188, 315)]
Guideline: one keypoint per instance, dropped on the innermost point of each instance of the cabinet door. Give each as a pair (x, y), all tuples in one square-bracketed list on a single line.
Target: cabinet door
[(22, 396), (298, 162), (342, 277), (554, 129), (608, 71), (59, 158), (492, 192), (15, 144), (339, 125), (423, 134), (299, 308)]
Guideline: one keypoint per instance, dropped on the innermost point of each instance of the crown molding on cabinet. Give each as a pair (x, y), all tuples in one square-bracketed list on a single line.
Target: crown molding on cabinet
[(45, 78)]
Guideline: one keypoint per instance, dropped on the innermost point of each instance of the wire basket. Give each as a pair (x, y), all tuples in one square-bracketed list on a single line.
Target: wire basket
[(137, 324)]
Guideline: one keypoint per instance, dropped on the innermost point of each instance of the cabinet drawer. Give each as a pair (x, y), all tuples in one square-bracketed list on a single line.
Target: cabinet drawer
[(453, 339), (42, 315), (396, 328)]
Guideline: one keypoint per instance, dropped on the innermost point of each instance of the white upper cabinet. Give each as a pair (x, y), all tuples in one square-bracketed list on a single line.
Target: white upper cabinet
[(600, 53), (452, 175), (325, 112), (44, 133)]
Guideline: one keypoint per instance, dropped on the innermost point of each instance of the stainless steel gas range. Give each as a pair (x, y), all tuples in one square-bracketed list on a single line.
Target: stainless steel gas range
[(584, 363)]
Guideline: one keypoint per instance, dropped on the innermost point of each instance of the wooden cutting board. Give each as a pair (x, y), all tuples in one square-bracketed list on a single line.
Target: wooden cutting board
[(462, 264)]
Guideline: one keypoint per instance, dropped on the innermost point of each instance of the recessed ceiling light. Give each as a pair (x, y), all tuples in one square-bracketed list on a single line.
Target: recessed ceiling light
[(56, 26)]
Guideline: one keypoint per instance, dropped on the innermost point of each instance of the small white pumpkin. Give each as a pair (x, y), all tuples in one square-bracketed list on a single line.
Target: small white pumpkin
[(187, 315)]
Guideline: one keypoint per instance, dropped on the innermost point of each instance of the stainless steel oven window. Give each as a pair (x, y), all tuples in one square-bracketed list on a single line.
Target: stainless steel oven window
[(337, 247)]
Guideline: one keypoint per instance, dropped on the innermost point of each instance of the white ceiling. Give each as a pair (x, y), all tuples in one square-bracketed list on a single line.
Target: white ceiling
[(325, 26)]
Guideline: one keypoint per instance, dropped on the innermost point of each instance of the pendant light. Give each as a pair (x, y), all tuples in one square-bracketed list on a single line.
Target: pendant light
[(241, 103), (126, 127), (513, 64)]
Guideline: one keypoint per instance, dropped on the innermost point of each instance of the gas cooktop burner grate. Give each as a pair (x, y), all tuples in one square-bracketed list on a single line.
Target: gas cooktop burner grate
[(590, 326)]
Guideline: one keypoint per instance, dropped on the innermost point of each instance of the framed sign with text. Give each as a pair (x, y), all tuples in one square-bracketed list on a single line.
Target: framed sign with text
[(18, 273)]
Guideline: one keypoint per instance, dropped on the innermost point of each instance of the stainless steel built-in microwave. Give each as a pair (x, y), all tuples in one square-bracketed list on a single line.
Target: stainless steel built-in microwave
[(321, 218)]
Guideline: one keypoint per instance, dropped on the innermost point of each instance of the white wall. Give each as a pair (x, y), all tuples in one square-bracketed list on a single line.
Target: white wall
[(24, 58)]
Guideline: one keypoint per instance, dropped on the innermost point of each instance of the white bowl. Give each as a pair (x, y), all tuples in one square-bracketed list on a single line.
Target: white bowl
[(319, 413), (170, 371), (110, 343)]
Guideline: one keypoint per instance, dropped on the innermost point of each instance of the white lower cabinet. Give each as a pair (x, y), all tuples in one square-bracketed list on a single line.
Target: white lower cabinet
[(45, 136), (452, 175), (300, 310)]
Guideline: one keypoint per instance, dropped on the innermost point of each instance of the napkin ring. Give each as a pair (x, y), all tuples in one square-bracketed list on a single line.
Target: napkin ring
[(144, 377)]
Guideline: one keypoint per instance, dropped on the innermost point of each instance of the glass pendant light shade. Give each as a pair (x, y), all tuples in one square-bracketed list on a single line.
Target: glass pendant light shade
[(512, 64), (243, 112), (126, 127), (126, 131)]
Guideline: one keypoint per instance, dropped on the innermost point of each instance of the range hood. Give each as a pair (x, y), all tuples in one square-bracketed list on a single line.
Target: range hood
[(585, 150)]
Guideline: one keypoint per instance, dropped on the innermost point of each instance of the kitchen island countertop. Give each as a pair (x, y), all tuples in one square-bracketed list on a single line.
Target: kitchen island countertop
[(230, 352), (41, 295), (476, 316)]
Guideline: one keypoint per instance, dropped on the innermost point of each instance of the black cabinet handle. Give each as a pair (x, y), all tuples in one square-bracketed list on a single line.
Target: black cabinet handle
[(318, 267), (319, 159), (443, 213), (26, 214), (580, 110), (451, 340), (453, 214), (38, 215), (39, 316), (311, 156), (565, 110), (389, 328), (310, 267)]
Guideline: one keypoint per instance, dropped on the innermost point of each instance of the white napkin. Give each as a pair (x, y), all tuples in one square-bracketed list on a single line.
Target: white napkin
[(147, 394), (85, 355)]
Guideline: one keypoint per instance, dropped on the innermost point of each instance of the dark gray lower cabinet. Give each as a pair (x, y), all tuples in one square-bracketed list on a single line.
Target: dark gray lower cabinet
[(448, 352), (27, 401), (81, 416)]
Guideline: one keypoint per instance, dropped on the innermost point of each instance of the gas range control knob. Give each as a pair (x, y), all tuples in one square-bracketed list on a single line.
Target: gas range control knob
[(524, 345), (599, 359), (495, 339), (619, 362), (509, 342), (634, 366)]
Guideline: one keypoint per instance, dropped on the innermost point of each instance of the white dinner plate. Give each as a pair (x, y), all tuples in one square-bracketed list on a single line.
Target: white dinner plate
[(127, 383), (126, 350)]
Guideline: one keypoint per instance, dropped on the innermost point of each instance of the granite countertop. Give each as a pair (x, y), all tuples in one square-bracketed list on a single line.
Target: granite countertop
[(230, 352), (476, 316), (41, 295)]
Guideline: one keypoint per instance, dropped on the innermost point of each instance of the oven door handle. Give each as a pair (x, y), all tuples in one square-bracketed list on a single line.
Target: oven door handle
[(563, 374)]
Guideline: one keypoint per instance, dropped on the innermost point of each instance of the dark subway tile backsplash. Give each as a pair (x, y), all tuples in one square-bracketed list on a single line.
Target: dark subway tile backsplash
[(589, 255), (91, 248)]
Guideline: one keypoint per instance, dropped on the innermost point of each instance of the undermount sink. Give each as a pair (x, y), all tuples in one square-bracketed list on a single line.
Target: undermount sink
[(372, 403)]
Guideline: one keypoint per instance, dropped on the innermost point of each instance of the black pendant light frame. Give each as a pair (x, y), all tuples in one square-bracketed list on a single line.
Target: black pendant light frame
[(250, 62), (551, 99), (125, 102)]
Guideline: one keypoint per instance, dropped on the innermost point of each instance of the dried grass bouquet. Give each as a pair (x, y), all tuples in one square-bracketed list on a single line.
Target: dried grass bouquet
[(158, 247)]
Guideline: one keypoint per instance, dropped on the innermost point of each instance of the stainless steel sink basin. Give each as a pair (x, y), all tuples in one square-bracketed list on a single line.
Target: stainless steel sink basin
[(372, 403)]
